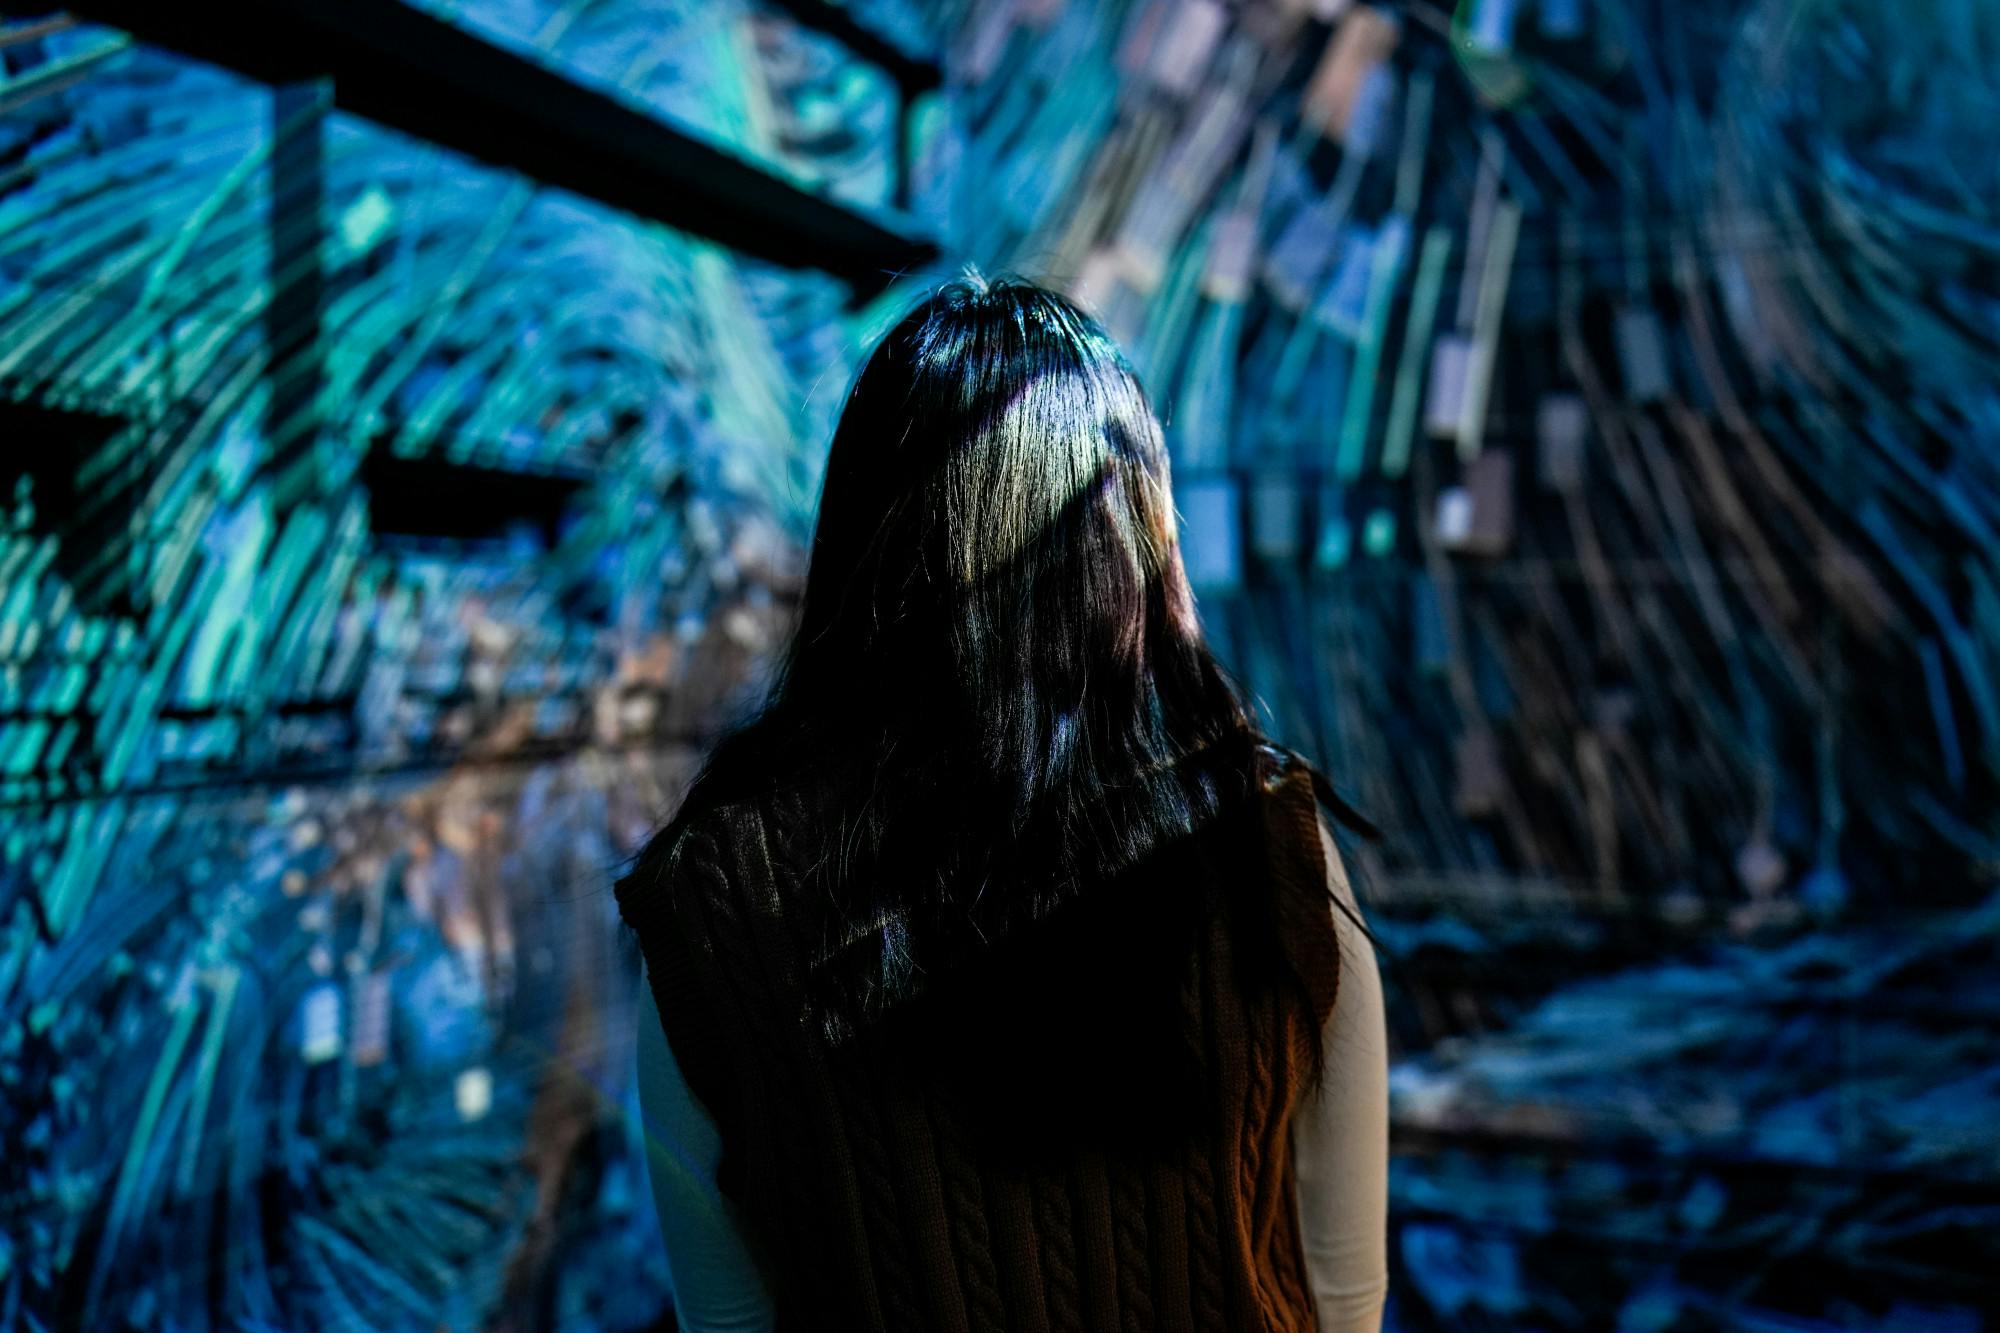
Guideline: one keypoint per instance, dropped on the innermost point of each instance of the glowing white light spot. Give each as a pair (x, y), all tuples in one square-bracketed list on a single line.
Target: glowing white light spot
[(474, 1093)]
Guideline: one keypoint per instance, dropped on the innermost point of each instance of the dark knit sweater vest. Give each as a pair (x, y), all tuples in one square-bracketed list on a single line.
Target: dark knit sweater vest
[(881, 1194)]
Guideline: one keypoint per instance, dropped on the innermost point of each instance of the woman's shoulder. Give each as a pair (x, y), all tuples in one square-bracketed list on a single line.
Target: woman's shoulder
[(1283, 767), (695, 859)]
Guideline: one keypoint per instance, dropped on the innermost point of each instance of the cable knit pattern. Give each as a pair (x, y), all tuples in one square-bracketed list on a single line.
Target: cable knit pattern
[(1256, 1102), (902, 1307), (1208, 1294), (1128, 1229), (871, 1199), (1054, 1230), (965, 1197)]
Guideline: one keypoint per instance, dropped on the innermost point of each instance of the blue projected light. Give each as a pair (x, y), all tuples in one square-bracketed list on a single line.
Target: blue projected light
[(1584, 423), (341, 670)]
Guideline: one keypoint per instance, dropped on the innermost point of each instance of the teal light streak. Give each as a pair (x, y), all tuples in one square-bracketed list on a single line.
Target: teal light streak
[(1499, 265), (1386, 270), (1400, 434), (224, 982), (1378, 533)]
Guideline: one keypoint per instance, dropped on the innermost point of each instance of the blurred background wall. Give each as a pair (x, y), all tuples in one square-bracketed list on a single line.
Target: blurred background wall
[(1587, 433)]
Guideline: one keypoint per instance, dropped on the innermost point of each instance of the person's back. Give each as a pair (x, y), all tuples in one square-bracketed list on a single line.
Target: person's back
[(1013, 1032)]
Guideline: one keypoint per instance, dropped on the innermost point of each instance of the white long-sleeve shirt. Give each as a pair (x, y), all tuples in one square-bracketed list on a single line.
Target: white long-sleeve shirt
[(1340, 1154)]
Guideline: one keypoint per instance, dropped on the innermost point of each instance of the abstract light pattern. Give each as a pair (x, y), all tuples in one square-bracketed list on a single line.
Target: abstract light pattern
[(1584, 424), (329, 709), (1584, 419)]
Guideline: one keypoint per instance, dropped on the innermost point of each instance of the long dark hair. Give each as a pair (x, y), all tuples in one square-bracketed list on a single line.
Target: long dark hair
[(998, 692)]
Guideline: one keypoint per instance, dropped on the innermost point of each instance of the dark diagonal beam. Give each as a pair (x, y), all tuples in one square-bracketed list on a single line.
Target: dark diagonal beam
[(416, 73)]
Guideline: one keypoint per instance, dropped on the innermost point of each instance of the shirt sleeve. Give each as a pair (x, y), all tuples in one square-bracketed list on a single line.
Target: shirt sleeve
[(717, 1288), (1340, 1139)]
